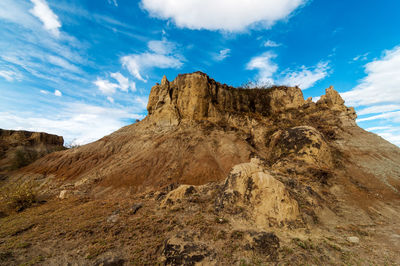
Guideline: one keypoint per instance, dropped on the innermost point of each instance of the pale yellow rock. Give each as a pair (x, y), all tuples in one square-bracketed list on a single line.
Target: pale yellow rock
[(257, 190), (63, 194)]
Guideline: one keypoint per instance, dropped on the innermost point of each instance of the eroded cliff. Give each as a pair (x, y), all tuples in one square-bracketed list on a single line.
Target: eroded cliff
[(19, 148)]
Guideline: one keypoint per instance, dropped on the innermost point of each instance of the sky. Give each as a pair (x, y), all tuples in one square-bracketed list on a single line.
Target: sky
[(83, 68)]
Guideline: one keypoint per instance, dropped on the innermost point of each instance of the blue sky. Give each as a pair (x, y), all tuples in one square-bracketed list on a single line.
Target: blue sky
[(83, 69)]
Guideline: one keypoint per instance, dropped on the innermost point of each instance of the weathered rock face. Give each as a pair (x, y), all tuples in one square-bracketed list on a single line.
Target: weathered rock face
[(252, 187), (197, 97), (18, 148), (302, 143), (334, 102), (198, 129)]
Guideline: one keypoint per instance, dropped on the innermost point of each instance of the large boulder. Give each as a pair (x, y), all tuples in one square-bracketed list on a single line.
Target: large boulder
[(252, 187)]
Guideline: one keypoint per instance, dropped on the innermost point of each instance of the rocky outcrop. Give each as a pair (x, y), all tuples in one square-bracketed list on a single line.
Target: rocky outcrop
[(334, 102), (19, 148), (252, 187), (303, 143), (198, 129), (196, 97)]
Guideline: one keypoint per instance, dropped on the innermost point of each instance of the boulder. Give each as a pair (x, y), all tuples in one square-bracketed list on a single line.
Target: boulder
[(252, 187)]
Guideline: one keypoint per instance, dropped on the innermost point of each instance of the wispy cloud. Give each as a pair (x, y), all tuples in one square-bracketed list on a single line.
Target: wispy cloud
[(50, 21), (113, 2), (306, 77), (378, 109), (106, 86), (265, 66), (268, 74), (381, 85), (10, 75), (124, 83), (361, 57), (395, 116), (162, 54), (223, 54), (378, 95), (75, 121), (270, 43)]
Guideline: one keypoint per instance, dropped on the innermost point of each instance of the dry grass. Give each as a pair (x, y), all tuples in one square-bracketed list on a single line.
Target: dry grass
[(18, 196)]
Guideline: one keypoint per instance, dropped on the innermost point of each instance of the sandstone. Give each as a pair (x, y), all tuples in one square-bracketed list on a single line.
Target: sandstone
[(196, 97), (63, 194), (353, 239), (251, 186), (303, 143), (19, 148)]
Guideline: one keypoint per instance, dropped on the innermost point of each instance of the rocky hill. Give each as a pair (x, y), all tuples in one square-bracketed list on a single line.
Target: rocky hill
[(217, 175), (19, 148)]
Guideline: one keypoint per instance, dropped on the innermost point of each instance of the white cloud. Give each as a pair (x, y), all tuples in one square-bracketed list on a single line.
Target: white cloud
[(106, 86), (161, 47), (58, 61), (393, 116), (110, 99), (226, 15), (123, 82), (361, 57), (161, 55), (265, 67), (270, 43), (224, 53), (10, 75), (381, 85), (378, 92), (44, 92), (268, 73), (57, 93), (141, 101), (306, 77), (378, 109), (50, 21), (377, 128), (75, 121)]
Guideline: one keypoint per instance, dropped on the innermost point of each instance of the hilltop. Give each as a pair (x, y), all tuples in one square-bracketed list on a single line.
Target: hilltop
[(217, 175)]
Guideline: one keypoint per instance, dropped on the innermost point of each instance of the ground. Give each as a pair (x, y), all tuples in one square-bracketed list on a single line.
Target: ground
[(88, 231)]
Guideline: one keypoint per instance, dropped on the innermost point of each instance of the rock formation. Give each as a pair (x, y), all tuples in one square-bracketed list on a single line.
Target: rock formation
[(19, 148), (197, 129), (225, 173)]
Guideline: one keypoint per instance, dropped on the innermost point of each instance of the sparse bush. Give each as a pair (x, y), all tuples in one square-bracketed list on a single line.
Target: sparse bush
[(256, 85), (19, 196), (23, 158), (72, 145)]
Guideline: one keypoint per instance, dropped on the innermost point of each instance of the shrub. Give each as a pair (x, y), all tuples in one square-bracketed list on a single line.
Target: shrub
[(256, 85), (19, 196), (23, 158)]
